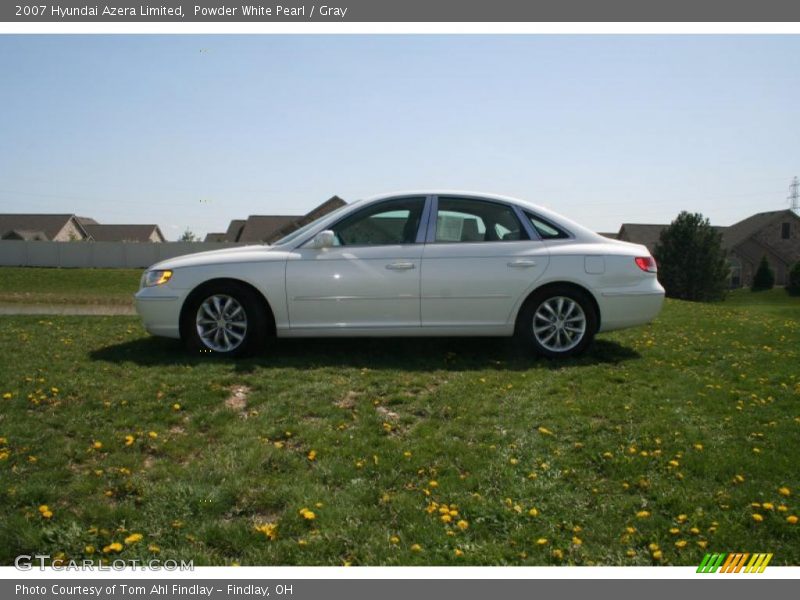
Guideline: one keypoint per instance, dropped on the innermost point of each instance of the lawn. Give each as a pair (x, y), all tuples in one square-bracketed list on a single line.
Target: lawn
[(69, 286), (663, 443)]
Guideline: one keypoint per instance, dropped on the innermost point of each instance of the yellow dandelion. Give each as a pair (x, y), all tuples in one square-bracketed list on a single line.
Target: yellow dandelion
[(576, 540), (312, 455), (154, 549), (545, 431), (152, 434), (702, 544), (738, 479), (682, 518), (7, 396), (630, 553), (681, 544), (433, 483), (792, 519), (415, 548), (446, 518), (698, 447), (89, 549), (307, 514), (513, 461), (407, 454), (694, 531), (674, 530), (768, 506), (784, 491), (133, 538), (459, 552), (129, 439), (394, 540), (176, 406), (608, 455), (112, 547), (757, 517), (558, 554), (542, 542), (630, 530), (643, 514), (463, 525), (657, 555), (534, 512), (97, 445), (653, 547), (270, 530)]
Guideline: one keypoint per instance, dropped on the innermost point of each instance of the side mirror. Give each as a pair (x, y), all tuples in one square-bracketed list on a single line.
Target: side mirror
[(324, 239)]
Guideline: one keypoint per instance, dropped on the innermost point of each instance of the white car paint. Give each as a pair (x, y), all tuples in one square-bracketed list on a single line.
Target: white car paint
[(414, 289)]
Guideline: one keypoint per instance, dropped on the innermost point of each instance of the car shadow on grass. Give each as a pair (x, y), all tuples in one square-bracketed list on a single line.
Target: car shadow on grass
[(411, 354)]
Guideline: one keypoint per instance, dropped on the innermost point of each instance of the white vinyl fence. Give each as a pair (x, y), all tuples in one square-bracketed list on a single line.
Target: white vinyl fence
[(14, 253)]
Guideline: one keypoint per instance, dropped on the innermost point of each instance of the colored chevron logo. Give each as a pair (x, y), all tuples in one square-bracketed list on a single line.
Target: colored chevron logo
[(734, 562)]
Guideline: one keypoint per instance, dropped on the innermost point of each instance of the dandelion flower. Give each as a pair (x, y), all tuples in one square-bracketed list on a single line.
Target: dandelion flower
[(416, 548), (757, 517), (698, 447), (312, 455), (674, 530), (394, 540), (89, 549), (459, 552), (682, 518), (129, 439), (542, 542), (133, 538), (784, 491), (608, 455), (7, 396), (534, 512), (702, 544), (268, 529), (545, 431), (112, 547), (176, 406), (657, 555), (576, 540), (642, 514), (433, 483), (463, 525), (152, 435), (446, 518), (680, 544), (558, 554), (307, 514), (768, 506), (97, 445), (653, 547), (792, 519)]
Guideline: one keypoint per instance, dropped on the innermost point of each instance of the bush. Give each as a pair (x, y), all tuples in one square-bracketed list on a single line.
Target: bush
[(764, 279), (691, 262), (793, 286)]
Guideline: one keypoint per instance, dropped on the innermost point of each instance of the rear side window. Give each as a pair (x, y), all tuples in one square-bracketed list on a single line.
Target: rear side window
[(469, 220), (546, 229)]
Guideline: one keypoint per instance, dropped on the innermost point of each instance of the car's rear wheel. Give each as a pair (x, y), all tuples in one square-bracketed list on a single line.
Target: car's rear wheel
[(224, 319), (559, 321)]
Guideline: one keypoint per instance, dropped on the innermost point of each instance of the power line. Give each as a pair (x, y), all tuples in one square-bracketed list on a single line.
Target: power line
[(794, 196)]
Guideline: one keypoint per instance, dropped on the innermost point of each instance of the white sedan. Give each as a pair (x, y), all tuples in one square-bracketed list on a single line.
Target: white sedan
[(415, 264)]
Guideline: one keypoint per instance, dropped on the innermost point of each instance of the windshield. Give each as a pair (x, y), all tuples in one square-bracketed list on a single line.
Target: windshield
[(298, 233)]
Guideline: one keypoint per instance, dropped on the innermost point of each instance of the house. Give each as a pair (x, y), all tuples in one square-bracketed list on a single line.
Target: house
[(774, 234), (124, 233), (215, 237), (257, 229), (50, 227)]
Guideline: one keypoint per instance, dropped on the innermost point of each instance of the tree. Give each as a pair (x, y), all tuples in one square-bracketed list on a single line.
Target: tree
[(764, 279), (188, 236), (794, 280), (691, 261)]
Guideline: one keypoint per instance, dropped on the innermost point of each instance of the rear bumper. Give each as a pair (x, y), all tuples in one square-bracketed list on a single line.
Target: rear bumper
[(160, 311), (627, 307)]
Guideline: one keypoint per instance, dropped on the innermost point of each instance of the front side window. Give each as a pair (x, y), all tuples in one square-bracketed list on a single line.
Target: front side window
[(385, 224), (467, 220), (786, 231)]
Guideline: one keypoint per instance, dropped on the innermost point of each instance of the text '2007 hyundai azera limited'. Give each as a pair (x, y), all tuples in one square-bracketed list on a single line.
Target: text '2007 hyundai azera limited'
[(414, 264)]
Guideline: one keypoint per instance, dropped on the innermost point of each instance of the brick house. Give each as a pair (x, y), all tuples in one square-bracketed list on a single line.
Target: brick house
[(774, 234)]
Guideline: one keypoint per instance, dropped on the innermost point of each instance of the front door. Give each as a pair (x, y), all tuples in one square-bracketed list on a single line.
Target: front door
[(370, 278)]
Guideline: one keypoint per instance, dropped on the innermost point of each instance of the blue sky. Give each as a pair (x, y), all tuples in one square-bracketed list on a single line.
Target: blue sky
[(192, 131)]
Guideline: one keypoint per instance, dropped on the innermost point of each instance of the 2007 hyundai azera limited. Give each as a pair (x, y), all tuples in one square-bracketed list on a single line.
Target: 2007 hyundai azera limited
[(412, 264)]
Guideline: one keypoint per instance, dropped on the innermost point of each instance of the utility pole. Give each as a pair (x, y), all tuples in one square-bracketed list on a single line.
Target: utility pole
[(794, 194)]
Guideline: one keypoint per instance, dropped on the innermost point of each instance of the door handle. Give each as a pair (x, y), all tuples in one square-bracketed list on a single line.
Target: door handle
[(522, 264), (400, 266)]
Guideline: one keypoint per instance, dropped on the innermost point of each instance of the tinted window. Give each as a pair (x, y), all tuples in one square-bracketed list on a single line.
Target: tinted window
[(463, 220), (545, 229), (387, 223)]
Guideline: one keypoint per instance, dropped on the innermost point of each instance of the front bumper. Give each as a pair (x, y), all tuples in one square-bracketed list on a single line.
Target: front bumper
[(160, 309)]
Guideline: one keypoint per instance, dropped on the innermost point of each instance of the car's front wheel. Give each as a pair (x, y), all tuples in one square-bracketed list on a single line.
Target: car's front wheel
[(224, 319), (558, 322)]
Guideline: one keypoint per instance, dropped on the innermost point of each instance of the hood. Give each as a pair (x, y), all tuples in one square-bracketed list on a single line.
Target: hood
[(239, 254)]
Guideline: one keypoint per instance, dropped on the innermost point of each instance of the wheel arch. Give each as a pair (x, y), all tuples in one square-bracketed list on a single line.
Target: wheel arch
[(560, 283), (191, 296)]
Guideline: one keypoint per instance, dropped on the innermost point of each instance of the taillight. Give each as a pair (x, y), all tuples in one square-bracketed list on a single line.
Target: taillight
[(646, 263)]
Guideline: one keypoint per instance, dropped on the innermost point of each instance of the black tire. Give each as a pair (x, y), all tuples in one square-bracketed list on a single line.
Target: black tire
[(532, 329), (252, 314)]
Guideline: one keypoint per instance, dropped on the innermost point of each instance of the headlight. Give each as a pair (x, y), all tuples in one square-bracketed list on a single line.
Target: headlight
[(153, 278)]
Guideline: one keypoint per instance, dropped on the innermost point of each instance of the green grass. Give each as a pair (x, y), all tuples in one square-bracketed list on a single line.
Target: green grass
[(69, 286), (697, 415)]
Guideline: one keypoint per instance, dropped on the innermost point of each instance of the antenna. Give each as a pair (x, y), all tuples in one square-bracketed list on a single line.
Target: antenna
[(794, 194)]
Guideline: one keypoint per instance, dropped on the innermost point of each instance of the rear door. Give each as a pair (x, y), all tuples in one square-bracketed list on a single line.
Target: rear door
[(478, 261)]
